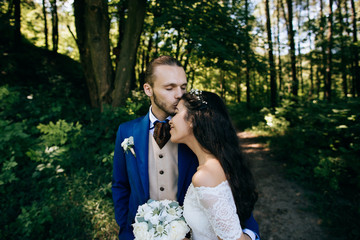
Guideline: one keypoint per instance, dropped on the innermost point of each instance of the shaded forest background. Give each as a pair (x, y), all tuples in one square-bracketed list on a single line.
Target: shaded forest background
[(72, 71)]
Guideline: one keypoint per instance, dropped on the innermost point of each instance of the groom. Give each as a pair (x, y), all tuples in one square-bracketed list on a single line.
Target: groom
[(154, 170)]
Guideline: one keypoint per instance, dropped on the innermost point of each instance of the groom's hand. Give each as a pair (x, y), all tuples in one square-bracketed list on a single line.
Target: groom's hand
[(247, 237)]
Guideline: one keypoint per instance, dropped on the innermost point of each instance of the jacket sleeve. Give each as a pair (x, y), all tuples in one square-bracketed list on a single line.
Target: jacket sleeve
[(252, 225), (120, 183)]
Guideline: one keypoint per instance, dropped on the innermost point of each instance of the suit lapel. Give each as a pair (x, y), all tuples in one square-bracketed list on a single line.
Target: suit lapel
[(141, 143)]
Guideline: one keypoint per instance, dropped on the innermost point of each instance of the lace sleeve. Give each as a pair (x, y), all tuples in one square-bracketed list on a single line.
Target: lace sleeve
[(220, 208)]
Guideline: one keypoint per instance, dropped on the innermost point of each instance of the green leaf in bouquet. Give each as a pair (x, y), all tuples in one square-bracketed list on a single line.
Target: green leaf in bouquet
[(174, 204), (140, 219)]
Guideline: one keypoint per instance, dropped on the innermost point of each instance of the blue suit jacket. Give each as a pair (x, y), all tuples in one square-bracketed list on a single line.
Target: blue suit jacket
[(130, 187)]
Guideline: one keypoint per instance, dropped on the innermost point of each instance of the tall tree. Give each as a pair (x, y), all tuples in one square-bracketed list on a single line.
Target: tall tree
[(129, 46), (17, 18), (238, 85), (247, 55), (342, 49), (92, 29), (295, 82), (279, 45), (311, 76), (45, 24), (328, 80), (121, 15), (55, 25), (323, 57), (299, 57), (273, 90), (356, 69)]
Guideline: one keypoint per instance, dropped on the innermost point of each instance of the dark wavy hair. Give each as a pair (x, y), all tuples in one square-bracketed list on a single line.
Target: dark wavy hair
[(215, 132)]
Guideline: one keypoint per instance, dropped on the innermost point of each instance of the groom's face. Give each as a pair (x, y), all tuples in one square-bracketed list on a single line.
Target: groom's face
[(168, 86)]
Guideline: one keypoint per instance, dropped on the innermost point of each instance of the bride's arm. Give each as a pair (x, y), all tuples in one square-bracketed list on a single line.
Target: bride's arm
[(243, 237), (220, 211)]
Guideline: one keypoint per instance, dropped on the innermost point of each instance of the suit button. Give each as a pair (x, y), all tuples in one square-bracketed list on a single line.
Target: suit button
[(162, 189), (161, 156), (161, 172)]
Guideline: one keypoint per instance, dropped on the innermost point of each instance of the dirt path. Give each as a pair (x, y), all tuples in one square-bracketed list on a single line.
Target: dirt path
[(283, 210)]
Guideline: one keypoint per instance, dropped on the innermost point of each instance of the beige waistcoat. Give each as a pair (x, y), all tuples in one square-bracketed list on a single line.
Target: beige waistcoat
[(163, 170)]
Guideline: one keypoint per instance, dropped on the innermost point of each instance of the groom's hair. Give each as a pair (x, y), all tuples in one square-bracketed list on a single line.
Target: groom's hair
[(162, 60)]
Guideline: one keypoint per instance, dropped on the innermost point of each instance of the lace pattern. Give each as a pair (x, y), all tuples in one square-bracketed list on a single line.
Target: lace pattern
[(211, 212)]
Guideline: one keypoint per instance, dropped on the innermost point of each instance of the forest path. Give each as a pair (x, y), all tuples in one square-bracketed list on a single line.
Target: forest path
[(282, 211)]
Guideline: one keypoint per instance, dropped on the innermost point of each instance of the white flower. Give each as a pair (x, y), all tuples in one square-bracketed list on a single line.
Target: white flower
[(160, 229), (153, 219), (141, 231), (128, 144), (163, 221), (51, 149), (178, 230)]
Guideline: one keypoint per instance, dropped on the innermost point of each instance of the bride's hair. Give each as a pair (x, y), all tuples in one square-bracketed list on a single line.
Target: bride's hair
[(215, 132)]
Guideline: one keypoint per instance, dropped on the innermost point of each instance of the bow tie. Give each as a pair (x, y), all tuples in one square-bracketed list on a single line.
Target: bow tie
[(162, 132)]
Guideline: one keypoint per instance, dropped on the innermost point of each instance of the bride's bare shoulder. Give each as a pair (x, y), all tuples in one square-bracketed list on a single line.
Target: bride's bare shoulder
[(210, 174)]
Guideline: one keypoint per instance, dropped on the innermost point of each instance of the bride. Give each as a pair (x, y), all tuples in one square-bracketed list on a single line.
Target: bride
[(222, 193)]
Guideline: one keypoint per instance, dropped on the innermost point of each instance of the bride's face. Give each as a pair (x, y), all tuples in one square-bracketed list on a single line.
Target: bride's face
[(180, 127)]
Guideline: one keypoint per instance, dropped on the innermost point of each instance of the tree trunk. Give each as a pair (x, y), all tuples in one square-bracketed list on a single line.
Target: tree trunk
[(247, 57), (318, 80), (55, 25), (178, 45), (156, 45), (295, 83), (122, 6), (356, 72), (92, 28), (310, 54), (279, 46), (150, 45), (129, 46), (273, 90), (342, 50), (45, 25), (238, 86), (328, 81), (322, 44), (298, 16), (189, 48), (222, 84), (17, 17)]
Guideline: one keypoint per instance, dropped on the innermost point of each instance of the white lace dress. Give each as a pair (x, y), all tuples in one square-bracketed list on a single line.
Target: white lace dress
[(211, 212)]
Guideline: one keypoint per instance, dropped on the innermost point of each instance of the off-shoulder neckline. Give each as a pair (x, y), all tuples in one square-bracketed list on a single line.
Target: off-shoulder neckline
[(204, 187)]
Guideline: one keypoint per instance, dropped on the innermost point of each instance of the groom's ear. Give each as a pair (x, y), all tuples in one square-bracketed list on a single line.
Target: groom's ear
[(148, 89)]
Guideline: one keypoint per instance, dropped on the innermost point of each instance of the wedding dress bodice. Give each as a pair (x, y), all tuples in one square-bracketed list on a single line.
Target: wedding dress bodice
[(211, 212)]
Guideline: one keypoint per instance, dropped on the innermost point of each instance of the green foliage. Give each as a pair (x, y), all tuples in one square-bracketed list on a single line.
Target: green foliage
[(57, 134), (55, 151), (320, 143), (243, 117)]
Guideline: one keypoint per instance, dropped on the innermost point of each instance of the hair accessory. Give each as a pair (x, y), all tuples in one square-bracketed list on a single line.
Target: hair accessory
[(198, 94)]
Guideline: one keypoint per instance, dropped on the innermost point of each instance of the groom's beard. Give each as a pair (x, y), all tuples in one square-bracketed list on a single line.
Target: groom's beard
[(162, 105)]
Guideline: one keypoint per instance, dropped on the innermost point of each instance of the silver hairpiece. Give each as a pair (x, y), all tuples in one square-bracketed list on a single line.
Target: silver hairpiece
[(198, 94)]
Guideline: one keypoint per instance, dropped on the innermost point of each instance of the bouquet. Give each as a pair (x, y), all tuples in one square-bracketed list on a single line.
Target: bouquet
[(160, 220)]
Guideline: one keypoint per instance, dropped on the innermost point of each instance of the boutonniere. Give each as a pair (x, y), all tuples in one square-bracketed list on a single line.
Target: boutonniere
[(128, 144)]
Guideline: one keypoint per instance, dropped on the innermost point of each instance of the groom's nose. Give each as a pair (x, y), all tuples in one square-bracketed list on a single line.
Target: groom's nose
[(179, 92)]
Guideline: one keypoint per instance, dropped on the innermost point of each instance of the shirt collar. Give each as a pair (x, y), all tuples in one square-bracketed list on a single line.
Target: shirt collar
[(153, 118)]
